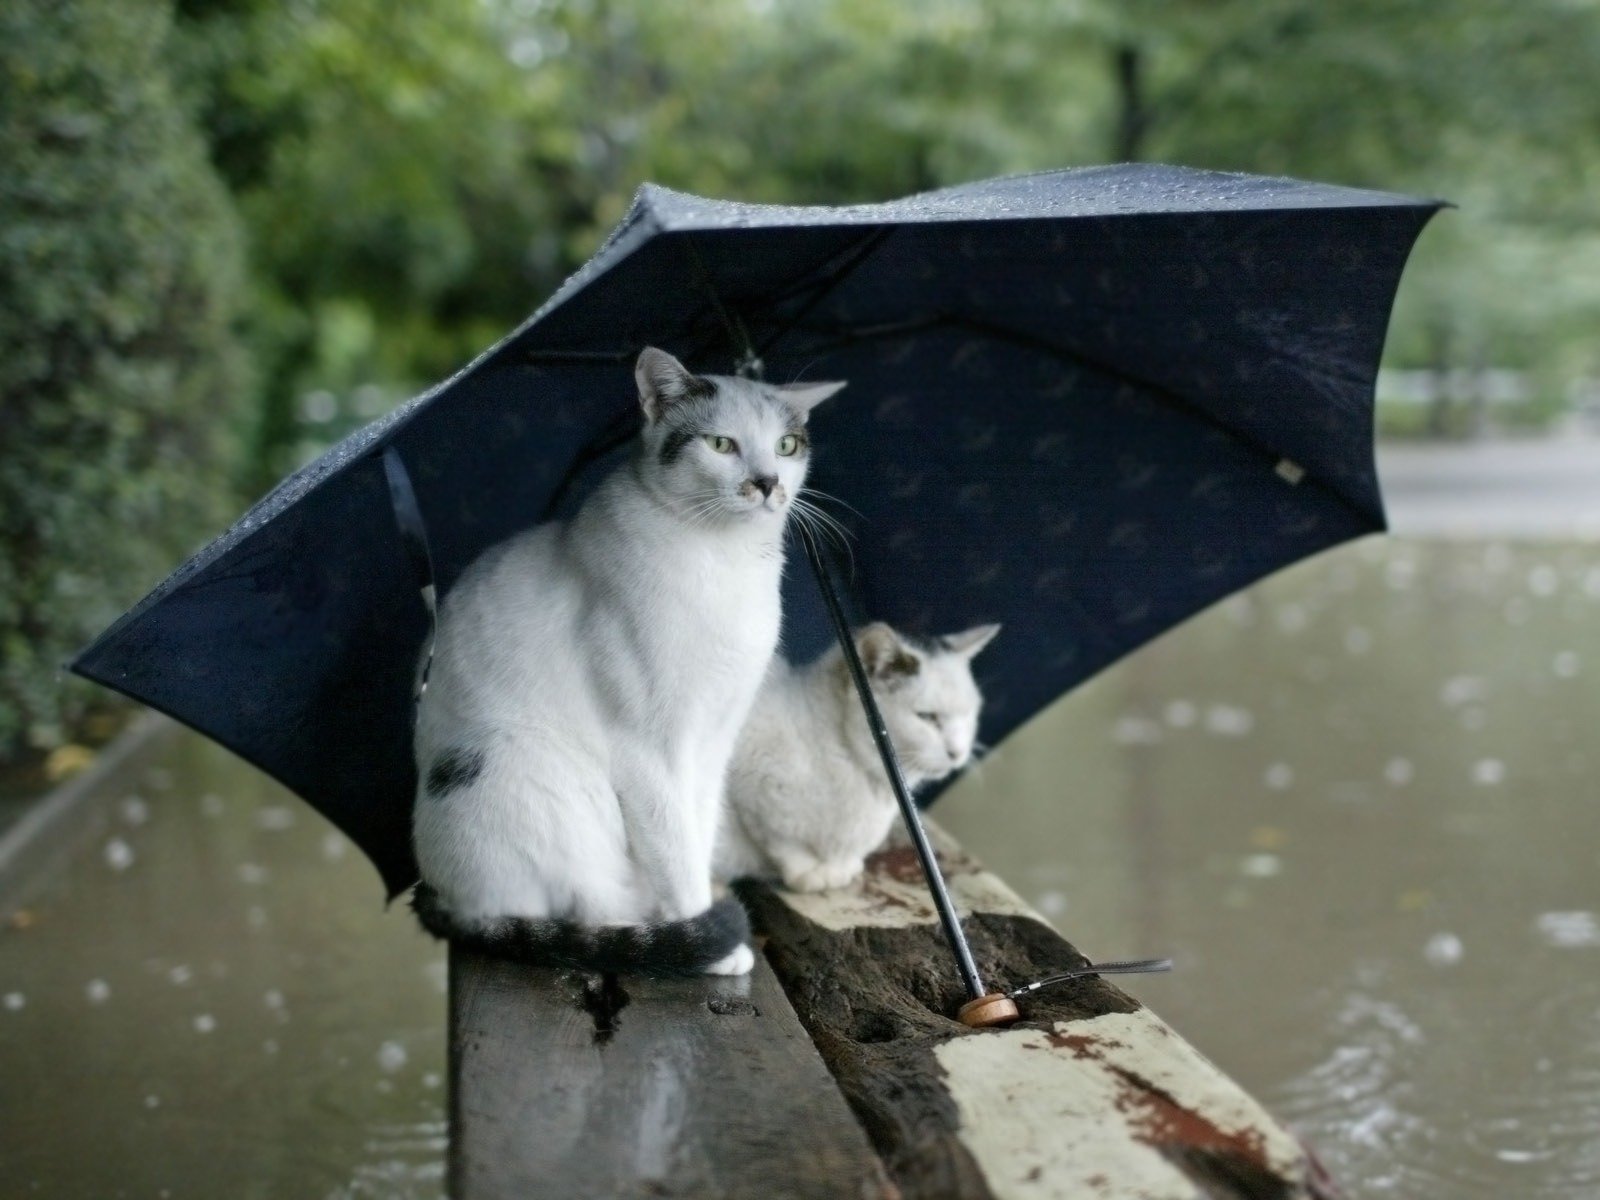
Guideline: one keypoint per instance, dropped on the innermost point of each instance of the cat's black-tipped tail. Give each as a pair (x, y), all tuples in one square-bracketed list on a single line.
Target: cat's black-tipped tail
[(684, 947)]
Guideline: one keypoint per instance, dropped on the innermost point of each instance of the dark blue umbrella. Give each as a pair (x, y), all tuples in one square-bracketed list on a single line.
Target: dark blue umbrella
[(1082, 403)]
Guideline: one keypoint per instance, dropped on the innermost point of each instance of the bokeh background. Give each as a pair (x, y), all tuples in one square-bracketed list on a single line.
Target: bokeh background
[(1356, 802), (231, 230)]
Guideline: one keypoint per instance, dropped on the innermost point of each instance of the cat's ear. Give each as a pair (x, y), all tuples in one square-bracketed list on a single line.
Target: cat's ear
[(803, 397), (968, 642), (663, 381), (884, 655)]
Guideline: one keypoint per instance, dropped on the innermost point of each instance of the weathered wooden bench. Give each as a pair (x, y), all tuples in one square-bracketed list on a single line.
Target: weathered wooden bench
[(837, 1070)]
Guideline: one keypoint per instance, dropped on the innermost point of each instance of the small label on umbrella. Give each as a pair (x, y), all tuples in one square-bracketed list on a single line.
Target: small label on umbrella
[(1290, 471)]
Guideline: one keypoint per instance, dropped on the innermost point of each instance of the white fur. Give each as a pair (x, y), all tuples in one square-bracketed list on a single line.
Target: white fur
[(603, 669), (808, 798)]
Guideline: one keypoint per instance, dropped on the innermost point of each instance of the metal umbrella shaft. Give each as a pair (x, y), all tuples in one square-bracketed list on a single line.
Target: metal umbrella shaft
[(891, 767)]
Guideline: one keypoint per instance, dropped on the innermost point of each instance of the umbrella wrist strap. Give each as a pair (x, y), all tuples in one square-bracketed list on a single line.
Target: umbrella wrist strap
[(414, 537)]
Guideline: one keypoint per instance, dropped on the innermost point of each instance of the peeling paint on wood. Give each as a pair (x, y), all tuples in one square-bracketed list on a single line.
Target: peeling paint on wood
[(1089, 1095), (1077, 1109)]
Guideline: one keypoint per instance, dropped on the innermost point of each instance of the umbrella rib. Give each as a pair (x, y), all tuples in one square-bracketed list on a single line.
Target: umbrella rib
[(867, 247), (1268, 453)]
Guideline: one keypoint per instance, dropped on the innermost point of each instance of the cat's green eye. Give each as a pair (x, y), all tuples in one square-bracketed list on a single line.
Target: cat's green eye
[(722, 445), (788, 444)]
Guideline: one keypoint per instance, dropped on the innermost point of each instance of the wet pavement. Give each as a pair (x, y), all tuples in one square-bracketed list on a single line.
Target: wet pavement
[(1546, 487), (208, 999), (1360, 805)]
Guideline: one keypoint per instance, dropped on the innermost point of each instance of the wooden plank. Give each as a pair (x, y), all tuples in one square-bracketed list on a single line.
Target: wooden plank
[(1090, 1095), (573, 1085)]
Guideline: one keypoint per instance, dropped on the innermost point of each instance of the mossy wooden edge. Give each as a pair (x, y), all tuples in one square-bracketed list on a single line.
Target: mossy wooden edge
[(1089, 1094)]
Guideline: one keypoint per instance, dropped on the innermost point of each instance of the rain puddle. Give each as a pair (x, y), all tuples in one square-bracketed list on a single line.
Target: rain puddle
[(207, 999), (1357, 804)]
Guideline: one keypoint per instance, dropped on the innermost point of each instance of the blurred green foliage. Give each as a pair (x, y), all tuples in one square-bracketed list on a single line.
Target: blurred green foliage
[(122, 388), (417, 177), (414, 178)]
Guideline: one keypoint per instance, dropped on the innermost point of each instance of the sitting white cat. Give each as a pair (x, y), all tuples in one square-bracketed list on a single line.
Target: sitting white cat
[(588, 685), (807, 796)]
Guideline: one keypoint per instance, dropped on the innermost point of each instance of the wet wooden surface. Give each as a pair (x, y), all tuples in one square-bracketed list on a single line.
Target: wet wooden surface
[(1089, 1095), (569, 1085)]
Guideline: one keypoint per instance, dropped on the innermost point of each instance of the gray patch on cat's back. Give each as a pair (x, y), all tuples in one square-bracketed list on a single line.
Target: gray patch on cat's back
[(455, 768)]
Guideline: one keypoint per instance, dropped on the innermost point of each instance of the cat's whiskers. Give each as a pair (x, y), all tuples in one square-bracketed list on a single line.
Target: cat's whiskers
[(829, 496), (824, 525)]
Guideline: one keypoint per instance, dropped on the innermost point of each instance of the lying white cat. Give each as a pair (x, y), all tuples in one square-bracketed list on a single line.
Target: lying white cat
[(807, 796), (588, 685)]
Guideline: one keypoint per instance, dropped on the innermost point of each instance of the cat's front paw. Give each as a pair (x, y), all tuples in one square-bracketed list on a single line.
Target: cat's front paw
[(823, 877), (739, 962)]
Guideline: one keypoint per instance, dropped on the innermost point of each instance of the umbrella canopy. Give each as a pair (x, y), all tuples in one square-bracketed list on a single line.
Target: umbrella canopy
[(1085, 404)]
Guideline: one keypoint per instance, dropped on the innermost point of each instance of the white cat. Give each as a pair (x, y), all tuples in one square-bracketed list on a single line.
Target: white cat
[(807, 796), (588, 685)]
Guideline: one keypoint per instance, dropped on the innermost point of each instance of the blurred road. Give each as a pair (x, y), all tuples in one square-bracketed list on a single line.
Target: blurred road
[(1546, 488)]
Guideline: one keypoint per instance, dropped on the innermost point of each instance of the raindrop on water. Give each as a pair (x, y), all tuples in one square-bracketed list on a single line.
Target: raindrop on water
[(1227, 721), (1443, 950), (1460, 689), (1399, 771), (252, 873), (205, 1023), (118, 854), (275, 817), (1488, 772), (1261, 866), (1136, 731), (391, 1057), (98, 991), (1565, 664), (1181, 714), (14, 1001), (1569, 930), (1278, 776)]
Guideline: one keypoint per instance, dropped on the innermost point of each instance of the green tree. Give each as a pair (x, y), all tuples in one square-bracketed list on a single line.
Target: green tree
[(121, 380)]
